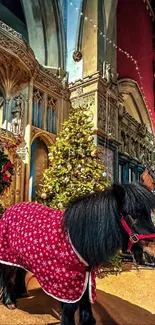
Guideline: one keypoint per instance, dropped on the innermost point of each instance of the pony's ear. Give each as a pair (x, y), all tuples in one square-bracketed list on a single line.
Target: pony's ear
[(119, 193)]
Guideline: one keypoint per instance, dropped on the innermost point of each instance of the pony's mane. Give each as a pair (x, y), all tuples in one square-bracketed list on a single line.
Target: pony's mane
[(138, 202), (92, 224), (93, 220)]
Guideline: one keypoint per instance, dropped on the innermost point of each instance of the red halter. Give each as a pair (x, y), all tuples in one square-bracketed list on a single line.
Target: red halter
[(134, 238)]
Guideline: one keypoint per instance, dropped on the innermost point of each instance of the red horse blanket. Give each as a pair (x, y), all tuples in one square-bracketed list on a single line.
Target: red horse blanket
[(32, 237)]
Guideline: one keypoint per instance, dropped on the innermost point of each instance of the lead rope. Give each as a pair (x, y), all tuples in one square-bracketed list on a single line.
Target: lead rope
[(134, 262), (28, 281)]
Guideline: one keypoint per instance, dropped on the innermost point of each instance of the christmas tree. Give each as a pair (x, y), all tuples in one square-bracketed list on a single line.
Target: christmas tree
[(75, 168)]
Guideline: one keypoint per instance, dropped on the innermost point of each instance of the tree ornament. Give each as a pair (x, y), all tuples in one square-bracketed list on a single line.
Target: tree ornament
[(60, 205), (94, 153), (104, 174), (73, 153), (44, 196), (79, 135), (59, 166), (77, 56), (76, 174), (69, 166), (50, 188)]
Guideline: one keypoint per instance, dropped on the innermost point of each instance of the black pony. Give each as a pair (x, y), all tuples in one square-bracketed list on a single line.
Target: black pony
[(98, 225)]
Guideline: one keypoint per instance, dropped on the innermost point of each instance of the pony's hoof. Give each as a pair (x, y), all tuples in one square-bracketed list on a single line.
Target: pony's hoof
[(90, 321), (22, 295), (11, 306)]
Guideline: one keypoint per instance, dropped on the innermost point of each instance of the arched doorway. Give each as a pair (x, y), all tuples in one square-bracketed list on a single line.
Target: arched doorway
[(39, 162)]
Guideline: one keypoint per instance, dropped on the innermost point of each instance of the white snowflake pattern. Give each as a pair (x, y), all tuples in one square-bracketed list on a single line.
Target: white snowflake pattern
[(51, 258), (48, 247), (55, 285), (71, 291), (62, 254)]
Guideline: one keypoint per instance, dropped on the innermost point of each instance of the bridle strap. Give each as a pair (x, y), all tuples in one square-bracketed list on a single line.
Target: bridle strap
[(126, 227), (134, 238)]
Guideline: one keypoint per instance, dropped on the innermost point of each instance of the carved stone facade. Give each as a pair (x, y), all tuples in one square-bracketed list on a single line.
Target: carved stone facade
[(128, 141), (136, 141), (23, 114)]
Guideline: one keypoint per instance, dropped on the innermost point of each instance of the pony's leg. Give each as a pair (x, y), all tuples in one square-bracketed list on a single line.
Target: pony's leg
[(7, 281), (68, 312), (86, 315), (20, 287)]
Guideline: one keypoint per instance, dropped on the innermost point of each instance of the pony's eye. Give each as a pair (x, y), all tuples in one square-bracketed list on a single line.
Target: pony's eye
[(134, 222)]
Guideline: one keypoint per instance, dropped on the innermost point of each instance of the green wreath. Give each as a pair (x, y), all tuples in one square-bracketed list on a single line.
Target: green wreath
[(6, 172)]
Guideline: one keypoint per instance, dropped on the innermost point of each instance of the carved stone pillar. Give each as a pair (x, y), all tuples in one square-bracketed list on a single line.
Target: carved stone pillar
[(62, 108), (18, 181), (28, 130)]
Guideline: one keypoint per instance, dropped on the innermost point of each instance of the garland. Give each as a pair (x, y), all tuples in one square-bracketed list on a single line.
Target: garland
[(6, 172)]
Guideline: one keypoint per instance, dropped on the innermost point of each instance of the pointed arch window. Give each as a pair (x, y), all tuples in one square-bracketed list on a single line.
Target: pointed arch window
[(51, 116), (38, 106)]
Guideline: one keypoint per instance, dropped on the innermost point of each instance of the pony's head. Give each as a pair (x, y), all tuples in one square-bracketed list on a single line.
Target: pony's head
[(135, 203), (101, 223)]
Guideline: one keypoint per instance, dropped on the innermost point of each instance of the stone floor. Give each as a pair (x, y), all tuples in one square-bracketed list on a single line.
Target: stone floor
[(126, 299)]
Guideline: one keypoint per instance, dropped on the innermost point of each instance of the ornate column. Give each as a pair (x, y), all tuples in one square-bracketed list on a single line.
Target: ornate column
[(28, 131)]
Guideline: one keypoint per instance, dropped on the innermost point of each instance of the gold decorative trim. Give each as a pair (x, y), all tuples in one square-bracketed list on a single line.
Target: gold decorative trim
[(48, 138), (12, 42)]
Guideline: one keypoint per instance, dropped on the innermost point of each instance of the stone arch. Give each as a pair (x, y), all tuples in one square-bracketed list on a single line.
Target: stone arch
[(110, 7), (80, 26), (46, 32), (133, 102), (49, 140), (39, 162), (35, 28), (104, 12), (61, 39)]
